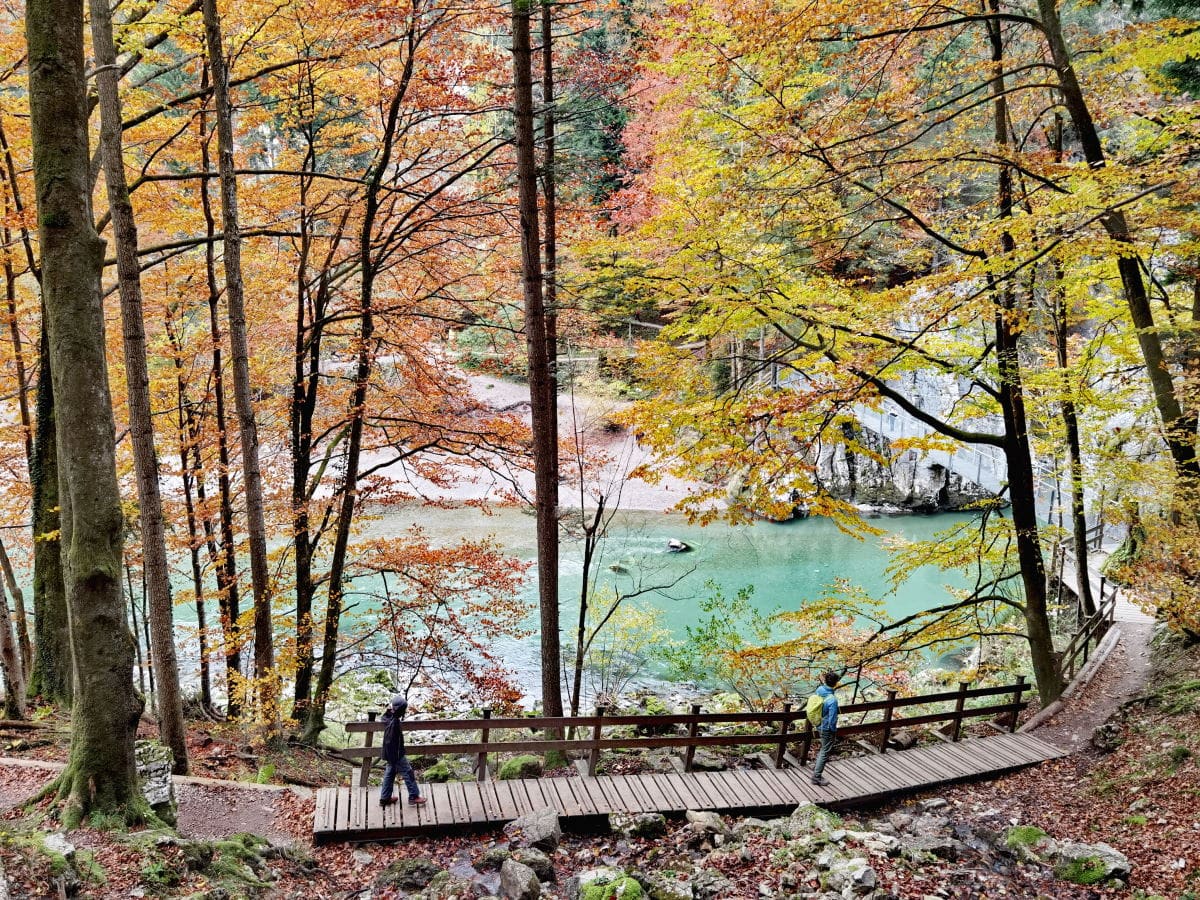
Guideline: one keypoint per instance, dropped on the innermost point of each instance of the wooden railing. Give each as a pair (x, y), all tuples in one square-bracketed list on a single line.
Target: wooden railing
[(781, 723), (1092, 630)]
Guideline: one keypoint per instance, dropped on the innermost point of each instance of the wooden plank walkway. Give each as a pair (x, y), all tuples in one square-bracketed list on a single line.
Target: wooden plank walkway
[(354, 814)]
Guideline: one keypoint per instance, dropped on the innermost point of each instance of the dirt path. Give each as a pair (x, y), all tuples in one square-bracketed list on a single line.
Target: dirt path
[(208, 808), (1122, 676)]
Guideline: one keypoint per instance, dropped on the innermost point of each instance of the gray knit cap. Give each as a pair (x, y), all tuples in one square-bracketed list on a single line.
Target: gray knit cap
[(399, 703)]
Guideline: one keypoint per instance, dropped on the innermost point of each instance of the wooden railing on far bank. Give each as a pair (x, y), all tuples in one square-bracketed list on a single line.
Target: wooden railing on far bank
[(779, 729)]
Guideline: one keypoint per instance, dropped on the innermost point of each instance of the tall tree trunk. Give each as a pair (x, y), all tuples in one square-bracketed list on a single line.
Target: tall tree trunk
[(52, 677), (550, 212), (193, 477), (1061, 316), (264, 652), (14, 670), (542, 401), (14, 330), (155, 568), (305, 376), (1179, 426), (100, 776), (1017, 453), (368, 269), (227, 577)]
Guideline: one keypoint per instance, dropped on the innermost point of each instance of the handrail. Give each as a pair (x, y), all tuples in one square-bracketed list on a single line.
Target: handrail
[(658, 721), (782, 734), (1095, 626)]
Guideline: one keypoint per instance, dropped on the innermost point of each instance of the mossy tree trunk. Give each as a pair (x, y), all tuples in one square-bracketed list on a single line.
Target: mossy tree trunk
[(51, 677), (100, 776), (156, 570)]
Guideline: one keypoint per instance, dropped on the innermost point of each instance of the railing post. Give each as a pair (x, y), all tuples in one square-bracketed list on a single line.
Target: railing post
[(594, 753), (784, 727), (481, 769), (808, 736), (1017, 692), (364, 772), (887, 721), (693, 731), (959, 704)]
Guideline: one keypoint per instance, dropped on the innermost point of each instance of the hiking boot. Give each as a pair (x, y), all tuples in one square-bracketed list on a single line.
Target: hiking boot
[(819, 779), (388, 801), (417, 801)]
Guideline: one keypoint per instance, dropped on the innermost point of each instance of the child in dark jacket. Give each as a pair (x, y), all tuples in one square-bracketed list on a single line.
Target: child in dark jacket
[(393, 755)]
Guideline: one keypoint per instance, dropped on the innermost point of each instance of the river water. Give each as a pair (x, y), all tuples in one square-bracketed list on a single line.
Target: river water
[(787, 564)]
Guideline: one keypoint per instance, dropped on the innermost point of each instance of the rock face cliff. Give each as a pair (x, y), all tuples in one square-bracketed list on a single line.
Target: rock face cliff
[(891, 480)]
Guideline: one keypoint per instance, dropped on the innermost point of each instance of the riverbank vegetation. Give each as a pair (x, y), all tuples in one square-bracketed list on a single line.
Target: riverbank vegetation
[(832, 256)]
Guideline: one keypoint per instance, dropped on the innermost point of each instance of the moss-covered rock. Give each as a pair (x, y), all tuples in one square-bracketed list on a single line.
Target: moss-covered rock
[(812, 817), (492, 859), (524, 766), (623, 888), (1024, 836), (1090, 864), (439, 773), (446, 886), (411, 874)]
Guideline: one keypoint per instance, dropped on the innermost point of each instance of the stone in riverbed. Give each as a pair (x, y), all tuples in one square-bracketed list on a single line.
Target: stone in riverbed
[(638, 825), (707, 822), (542, 865), (518, 882), (411, 874), (538, 828)]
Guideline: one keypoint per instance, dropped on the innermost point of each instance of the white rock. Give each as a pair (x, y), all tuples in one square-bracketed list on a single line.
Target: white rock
[(57, 843)]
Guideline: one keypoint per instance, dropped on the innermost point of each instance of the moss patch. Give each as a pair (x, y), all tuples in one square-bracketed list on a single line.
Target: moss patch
[(1023, 836), (624, 888), (1085, 870), (525, 766)]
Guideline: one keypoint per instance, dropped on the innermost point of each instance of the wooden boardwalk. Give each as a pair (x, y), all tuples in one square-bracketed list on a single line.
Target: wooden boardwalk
[(354, 814)]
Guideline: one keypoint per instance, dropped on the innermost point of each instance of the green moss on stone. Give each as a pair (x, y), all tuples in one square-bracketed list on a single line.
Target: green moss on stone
[(1085, 870), (623, 888), (440, 772), (1023, 836), (525, 766)]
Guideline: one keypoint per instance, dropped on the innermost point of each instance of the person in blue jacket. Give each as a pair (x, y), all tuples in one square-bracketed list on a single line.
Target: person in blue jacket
[(393, 755), (827, 730)]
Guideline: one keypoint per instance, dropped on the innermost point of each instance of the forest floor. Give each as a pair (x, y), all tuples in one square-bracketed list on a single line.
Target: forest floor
[(1142, 798)]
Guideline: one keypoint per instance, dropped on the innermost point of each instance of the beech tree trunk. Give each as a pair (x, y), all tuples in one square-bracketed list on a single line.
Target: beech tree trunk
[(542, 400), (18, 598), (226, 562), (100, 776), (1179, 426), (155, 568), (14, 331), (264, 652), (52, 676), (14, 670), (550, 212), (368, 268), (1021, 488)]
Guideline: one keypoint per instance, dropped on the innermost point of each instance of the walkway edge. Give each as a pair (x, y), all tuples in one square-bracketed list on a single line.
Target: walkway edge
[(1086, 674)]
